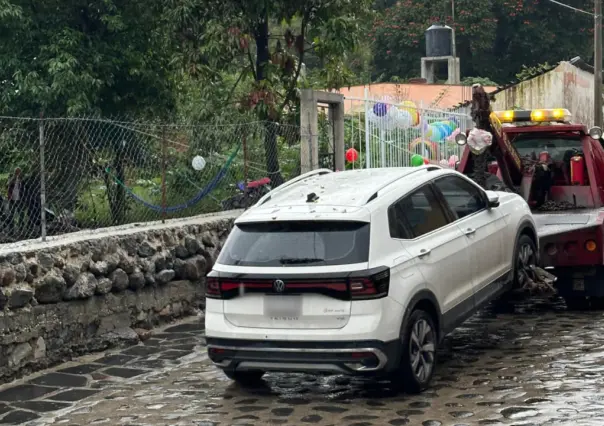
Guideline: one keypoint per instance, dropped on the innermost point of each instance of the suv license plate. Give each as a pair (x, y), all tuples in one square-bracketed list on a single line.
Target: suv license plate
[(283, 306)]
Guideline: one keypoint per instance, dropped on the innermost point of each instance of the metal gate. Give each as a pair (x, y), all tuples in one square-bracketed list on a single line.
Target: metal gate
[(387, 133)]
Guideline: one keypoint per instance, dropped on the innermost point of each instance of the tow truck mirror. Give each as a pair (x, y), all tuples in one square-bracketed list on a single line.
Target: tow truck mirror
[(461, 139), (493, 199), (595, 132)]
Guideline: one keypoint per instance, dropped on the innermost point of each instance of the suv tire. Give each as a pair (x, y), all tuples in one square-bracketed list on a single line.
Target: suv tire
[(244, 377), (419, 339), (525, 255)]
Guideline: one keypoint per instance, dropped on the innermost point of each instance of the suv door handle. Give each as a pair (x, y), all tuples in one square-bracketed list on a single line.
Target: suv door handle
[(423, 253), (470, 231)]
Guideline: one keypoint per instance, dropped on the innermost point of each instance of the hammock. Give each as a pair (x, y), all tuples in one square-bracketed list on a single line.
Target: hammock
[(197, 198)]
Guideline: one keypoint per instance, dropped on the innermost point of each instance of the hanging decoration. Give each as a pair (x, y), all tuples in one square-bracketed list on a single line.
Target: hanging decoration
[(411, 108), (352, 155), (439, 131), (453, 160), (198, 163), (392, 117), (417, 160), (425, 148)]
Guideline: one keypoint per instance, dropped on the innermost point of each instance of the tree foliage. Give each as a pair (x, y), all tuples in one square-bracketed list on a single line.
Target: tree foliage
[(73, 57), (494, 38), (267, 43)]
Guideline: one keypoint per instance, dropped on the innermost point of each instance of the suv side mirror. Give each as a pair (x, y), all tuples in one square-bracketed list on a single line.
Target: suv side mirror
[(493, 199)]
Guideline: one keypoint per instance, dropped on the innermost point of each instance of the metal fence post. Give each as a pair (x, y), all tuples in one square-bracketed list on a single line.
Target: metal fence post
[(42, 181), (245, 159), (163, 174), (367, 131)]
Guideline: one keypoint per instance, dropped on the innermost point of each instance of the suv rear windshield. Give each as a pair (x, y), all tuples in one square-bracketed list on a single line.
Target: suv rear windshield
[(307, 243)]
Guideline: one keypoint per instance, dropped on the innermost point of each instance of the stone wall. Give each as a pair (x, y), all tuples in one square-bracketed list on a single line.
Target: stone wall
[(83, 292)]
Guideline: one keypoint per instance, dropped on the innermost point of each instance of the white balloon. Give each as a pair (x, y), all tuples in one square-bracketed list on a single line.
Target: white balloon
[(373, 117), (404, 120), (198, 163)]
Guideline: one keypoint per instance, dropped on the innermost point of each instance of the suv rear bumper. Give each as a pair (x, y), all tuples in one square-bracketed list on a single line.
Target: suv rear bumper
[(354, 358)]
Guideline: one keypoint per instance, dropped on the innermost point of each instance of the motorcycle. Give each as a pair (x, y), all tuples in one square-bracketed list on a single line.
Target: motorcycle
[(248, 194)]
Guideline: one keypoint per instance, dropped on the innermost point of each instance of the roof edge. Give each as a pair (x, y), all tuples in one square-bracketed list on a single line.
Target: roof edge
[(577, 62)]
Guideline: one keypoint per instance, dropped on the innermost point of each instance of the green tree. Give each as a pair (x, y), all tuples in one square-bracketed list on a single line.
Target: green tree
[(494, 38), (267, 43), (85, 57)]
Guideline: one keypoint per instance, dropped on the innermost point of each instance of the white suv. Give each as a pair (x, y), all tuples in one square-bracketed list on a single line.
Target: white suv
[(362, 272)]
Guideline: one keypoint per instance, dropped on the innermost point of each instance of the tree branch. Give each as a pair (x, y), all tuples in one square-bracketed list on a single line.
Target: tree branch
[(228, 98), (252, 62), (290, 91)]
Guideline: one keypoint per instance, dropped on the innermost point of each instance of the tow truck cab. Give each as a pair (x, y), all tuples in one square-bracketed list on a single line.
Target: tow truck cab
[(558, 168)]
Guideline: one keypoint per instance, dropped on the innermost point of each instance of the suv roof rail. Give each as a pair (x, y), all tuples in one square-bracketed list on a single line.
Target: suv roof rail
[(428, 168), (289, 183)]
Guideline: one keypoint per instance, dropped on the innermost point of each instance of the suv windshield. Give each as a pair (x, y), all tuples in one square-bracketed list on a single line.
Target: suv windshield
[(556, 146), (306, 243)]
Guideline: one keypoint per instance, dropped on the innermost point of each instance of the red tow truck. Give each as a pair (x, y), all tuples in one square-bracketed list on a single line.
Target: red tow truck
[(558, 168)]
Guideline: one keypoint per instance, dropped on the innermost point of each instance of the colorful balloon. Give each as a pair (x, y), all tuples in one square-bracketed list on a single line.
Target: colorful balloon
[(426, 161), (402, 118), (451, 137), (436, 134), (417, 160), (452, 160), (411, 108), (198, 163), (424, 148), (352, 155), (380, 109)]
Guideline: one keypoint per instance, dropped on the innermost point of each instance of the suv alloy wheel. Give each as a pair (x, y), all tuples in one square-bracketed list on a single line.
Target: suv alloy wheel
[(418, 356)]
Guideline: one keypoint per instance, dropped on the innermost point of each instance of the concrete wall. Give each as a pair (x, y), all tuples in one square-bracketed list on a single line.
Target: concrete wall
[(81, 292), (566, 86)]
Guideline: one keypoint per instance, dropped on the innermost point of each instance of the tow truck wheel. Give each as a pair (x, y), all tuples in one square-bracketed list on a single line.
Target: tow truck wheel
[(525, 257)]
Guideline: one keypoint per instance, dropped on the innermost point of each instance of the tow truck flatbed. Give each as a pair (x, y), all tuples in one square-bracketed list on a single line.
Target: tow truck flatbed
[(554, 223)]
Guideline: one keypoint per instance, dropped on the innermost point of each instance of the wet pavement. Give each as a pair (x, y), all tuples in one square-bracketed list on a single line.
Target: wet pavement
[(530, 363)]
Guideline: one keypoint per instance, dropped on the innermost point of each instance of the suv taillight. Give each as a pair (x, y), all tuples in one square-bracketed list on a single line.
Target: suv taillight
[(213, 288), (359, 286), (373, 287)]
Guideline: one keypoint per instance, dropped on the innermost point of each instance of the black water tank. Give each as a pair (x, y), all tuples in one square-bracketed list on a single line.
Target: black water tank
[(439, 40)]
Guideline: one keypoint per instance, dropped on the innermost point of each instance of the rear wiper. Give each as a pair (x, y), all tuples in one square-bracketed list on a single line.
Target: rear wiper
[(290, 260)]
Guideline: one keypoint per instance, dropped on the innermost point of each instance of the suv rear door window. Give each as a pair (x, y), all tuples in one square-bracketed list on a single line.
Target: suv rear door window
[(462, 197), (301, 243), (422, 211)]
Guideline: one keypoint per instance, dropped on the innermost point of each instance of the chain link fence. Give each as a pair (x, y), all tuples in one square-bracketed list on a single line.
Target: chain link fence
[(65, 175)]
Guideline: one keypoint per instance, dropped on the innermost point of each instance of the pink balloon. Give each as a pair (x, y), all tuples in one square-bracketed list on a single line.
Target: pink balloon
[(455, 133), (452, 160)]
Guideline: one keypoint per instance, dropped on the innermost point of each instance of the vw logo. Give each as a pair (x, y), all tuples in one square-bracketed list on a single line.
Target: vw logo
[(279, 286)]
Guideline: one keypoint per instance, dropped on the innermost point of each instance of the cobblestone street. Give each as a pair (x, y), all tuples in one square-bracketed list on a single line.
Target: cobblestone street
[(541, 365)]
